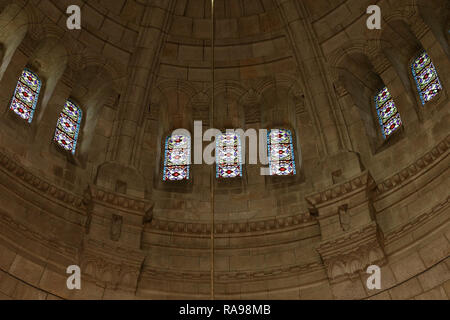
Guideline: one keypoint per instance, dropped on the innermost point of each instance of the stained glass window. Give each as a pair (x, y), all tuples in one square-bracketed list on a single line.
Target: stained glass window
[(388, 115), (425, 75), (228, 156), (177, 158), (68, 127), (26, 95), (281, 152)]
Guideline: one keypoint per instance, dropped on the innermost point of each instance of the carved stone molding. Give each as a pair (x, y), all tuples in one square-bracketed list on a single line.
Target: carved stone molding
[(274, 224), (351, 240), (429, 159), (346, 256), (12, 166), (116, 217), (341, 191), (402, 231), (109, 266), (233, 276)]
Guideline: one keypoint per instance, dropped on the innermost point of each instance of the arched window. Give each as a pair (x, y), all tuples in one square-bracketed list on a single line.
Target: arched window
[(426, 77), (177, 158), (26, 95), (68, 127), (281, 152), (228, 156), (388, 115)]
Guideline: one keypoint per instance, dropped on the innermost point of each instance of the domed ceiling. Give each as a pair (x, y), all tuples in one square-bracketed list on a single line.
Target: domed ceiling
[(137, 70)]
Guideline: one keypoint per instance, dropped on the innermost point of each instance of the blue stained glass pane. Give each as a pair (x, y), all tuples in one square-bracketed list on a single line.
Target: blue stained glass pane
[(229, 171), (382, 96), (177, 158), (426, 78), (68, 127), (421, 62), (26, 95), (228, 156), (21, 109), (387, 111), (178, 141), (176, 173), (64, 141), (392, 125), (282, 168), (281, 152), (431, 91), (388, 115), (31, 80), (72, 111)]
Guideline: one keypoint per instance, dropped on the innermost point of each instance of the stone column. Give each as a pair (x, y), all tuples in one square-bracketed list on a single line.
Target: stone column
[(141, 75), (311, 65)]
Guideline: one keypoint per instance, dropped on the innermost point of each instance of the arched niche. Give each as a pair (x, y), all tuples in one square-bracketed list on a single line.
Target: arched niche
[(13, 28), (436, 14), (400, 46), (93, 90), (280, 109), (49, 61), (357, 76), (228, 111)]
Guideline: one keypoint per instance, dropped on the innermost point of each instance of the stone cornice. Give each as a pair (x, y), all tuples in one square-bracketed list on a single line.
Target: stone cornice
[(418, 167), (416, 223), (37, 237), (274, 224), (342, 190), (112, 199), (12, 167), (233, 276)]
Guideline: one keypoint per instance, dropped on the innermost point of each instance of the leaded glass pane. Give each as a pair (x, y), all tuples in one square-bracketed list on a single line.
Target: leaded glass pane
[(426, 77), (26, 95), (393, 124), (388, 115), (281, 152), (228, 156), (68, 127), (177, 158)]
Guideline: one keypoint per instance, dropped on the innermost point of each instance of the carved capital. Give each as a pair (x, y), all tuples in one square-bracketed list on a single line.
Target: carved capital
[(352, 253)]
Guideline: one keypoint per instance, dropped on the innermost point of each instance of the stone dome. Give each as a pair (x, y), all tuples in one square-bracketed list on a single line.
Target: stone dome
[(367, 190)]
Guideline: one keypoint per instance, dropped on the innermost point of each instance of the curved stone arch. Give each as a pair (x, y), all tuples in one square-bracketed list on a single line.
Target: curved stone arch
[(337, 57), (87, 59), (180, 85), (36, 30), (233, 87)]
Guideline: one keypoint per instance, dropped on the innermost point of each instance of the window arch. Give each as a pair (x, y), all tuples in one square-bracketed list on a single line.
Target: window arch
[(388, 115), (26, 95), (426, 77), (68, 127), (177, 158), (281, 152), (228, 156)]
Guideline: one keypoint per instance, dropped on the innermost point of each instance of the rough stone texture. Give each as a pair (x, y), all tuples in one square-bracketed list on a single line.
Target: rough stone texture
[(140, 69)]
